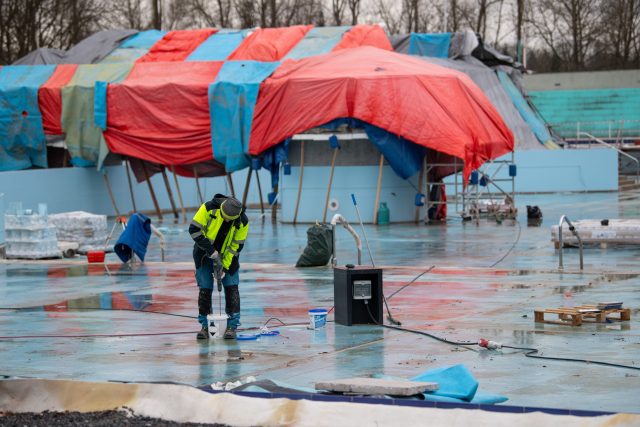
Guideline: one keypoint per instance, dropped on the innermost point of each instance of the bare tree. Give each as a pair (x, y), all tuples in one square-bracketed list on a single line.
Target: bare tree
[(621, 33), (337, 11), (354, 8), (389, 14), (569, 28)]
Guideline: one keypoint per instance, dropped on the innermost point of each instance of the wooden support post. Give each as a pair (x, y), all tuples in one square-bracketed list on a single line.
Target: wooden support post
[(195, 173), (420, 184), (246, 187), (326, 202), (230, 183), (295, 214), (260, 192), (274, 207), (153, 193), (170, 194), (378, 189), (113, 199), (133, 199), (175, 179)]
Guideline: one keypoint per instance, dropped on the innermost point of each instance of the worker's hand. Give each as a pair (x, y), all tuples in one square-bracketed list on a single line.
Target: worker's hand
[(214, 255), (224, 273)]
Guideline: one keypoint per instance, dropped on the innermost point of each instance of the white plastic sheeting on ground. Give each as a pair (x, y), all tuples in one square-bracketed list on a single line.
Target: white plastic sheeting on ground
[(187, 404)]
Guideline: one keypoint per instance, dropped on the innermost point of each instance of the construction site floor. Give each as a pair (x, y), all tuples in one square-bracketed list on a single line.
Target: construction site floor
[(73, 320)]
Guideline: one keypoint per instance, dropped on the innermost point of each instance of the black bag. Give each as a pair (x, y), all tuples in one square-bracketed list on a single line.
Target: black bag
[(319, 247)]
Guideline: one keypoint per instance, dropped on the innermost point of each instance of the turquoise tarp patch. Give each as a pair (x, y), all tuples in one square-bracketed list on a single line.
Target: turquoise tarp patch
[(436, 45), (22, 139), (232, 99)]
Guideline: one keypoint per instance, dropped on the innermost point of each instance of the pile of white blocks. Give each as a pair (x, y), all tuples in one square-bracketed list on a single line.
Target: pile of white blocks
[(30, 236), (84, 228)]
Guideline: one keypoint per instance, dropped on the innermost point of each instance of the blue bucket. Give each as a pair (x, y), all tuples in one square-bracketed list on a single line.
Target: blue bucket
[(317, 318)]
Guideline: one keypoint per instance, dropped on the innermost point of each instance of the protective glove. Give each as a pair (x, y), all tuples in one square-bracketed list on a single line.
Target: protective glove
[(224, 273), (214, 255)]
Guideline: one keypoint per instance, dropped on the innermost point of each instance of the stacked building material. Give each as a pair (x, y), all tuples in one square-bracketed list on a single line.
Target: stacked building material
[(88, 230), (30, 236)]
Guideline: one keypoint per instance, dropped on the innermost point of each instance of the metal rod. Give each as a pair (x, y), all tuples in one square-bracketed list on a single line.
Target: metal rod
[(326, 202), (176, 216), (182, 208), (113, 200), (230, 183), (133, 199), (195, 174), (274, 206), (573, 230), (378, 188), (153, 193), (420, 183), (246, 188), (260, 192), (353, 197), (295, 214)]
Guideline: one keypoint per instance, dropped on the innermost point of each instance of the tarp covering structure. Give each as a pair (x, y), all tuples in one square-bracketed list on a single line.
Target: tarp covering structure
[(232, 98), (364, 35), (269, 44), (487, 80), (42, 56), (219, 45), (160, 112), (82, 136), (436, 45), (22, 139), (50, 98), (176, 45), (318, 41), (432, 106), (134, 47), (532, 119)]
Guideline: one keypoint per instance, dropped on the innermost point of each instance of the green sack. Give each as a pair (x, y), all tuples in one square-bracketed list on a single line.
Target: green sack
[(319, 247)]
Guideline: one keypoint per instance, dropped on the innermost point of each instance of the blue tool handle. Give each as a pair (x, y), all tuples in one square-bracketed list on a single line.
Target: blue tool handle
[(353, 197)]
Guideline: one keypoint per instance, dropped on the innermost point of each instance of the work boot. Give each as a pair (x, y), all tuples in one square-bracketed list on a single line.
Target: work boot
[(230, 334), (203, 334)]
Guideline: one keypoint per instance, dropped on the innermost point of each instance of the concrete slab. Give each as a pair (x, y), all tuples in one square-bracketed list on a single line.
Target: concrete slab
[(72, 320), (376, 386)]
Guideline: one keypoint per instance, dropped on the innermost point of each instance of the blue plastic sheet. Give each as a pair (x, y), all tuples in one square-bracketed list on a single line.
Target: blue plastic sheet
[(22, 139), (142, 40), (134, 47), (232, 100), (404, 156), (529, 116), (453, 381), (134, 238), (218, 46), (430, 44), (318, 41), (100, 104)]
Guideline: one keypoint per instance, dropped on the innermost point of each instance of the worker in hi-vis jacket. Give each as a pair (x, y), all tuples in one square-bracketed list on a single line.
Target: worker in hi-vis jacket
[(219, 230)]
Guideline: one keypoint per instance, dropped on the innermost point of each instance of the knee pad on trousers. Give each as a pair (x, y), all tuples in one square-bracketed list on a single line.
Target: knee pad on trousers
[(204, 301), (232, 299)]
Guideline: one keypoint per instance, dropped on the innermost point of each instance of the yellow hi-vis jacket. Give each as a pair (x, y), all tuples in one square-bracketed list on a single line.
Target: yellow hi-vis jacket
[(204, 230)]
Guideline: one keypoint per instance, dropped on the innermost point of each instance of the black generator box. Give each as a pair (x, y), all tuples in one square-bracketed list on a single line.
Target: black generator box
[(355, 289)]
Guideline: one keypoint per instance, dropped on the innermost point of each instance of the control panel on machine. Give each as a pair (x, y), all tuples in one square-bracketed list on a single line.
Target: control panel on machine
[(361, 289)]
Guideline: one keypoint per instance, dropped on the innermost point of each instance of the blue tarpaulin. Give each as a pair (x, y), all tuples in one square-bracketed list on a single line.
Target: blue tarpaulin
[(404, 156), (318, 41), (430, 44), (218, 46), (22, 139), (134, 47), (134, 238), (142, 40), (232, 99), (529, 116)]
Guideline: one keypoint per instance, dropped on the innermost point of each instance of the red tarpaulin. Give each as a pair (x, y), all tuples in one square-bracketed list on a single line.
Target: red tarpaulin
[(160, 113), (269, 44), (176, 45), (50, 98), (364, 35), (436, 107)]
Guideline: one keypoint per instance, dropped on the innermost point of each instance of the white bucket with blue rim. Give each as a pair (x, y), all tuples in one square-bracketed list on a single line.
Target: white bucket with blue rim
[(317, 318)]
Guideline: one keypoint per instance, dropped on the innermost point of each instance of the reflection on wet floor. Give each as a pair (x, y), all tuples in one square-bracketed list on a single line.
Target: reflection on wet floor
[(123, 323)]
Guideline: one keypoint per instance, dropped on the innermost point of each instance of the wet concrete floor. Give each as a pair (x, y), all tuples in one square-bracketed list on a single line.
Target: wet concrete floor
[(69, 319)]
